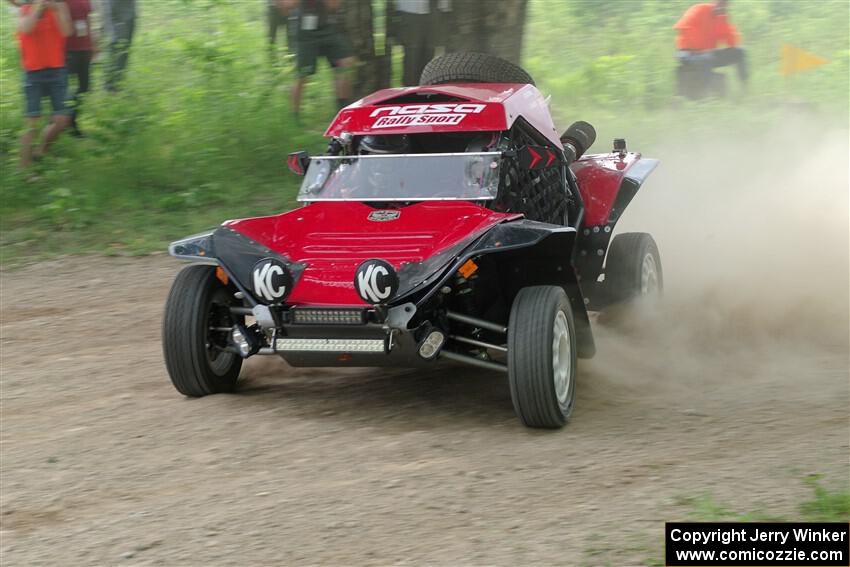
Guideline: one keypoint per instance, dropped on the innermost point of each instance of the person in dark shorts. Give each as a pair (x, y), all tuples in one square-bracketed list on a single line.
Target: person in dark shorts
[(42, 29), (79, 52), (700, 30), (278, 16), (319, 35)]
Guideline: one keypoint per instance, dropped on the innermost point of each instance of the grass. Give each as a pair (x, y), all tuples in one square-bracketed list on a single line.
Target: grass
[(199, 134), (201, 131), (824, 505)]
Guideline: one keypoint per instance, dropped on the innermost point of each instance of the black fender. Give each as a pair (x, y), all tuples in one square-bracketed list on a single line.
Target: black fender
[(235, 253), (529, 253), (593, 241), (632, 181)]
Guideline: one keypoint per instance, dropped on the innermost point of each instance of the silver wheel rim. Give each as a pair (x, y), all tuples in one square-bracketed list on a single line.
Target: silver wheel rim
[(648, 276), (561, 358)]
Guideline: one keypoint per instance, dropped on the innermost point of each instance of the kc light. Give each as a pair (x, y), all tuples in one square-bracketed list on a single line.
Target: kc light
[(432, 344)]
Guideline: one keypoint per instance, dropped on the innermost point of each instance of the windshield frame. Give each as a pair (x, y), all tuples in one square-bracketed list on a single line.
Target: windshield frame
[(304, 199)]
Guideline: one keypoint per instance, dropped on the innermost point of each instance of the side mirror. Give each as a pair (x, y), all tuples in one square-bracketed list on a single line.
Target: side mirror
[(298, 162)]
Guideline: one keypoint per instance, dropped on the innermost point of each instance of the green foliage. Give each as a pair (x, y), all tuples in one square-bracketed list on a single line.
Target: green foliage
[(199, 134), (201, 130), (587, 53), (705, 508), (825, 505)]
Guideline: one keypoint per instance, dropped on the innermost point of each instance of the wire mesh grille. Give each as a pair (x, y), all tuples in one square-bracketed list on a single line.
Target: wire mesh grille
[(538, 194)]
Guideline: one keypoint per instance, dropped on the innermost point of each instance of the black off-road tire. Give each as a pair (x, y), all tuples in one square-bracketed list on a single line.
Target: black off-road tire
[(467, 67), (626, 268), (196, 298), (531, 362)]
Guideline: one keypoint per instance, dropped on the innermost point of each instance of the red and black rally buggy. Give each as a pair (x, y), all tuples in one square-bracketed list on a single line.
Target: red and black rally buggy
[(448, 221)]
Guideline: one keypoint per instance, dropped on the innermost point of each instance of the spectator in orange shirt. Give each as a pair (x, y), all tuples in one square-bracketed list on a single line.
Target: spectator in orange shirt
[(701, 29), (42, 29)]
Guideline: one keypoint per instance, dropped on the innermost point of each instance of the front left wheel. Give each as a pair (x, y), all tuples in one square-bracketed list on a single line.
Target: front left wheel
[(195, 334), (542, 357)]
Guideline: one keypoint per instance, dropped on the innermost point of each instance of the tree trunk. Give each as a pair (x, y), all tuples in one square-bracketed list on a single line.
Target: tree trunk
[(368, 75), (498, 30), (505, 25)]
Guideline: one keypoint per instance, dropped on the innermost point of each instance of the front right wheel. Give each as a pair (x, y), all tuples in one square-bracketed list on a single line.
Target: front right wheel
[(542, 356)]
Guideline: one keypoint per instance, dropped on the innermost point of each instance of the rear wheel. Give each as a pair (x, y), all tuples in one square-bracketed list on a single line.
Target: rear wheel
[(542, 356), (633, 268), (195, 334), (466, 67)]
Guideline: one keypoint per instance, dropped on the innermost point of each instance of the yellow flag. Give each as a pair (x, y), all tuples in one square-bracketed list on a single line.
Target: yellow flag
[(795, 60)]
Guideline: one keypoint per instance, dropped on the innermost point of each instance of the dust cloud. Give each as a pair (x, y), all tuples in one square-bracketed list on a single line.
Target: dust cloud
[(753, 233)]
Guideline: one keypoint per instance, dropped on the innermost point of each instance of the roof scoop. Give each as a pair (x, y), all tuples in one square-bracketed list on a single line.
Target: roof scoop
[(423, 97)]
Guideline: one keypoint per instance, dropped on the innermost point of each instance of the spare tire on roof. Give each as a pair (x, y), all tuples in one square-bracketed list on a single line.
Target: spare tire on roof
[(467, 67)]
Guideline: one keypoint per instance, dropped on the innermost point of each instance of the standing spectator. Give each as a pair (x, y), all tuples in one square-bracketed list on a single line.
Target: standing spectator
[(319, 34), (277, 17), (372, 71), (42, 29), (79, 51), (415, 32), (700, 30), (119, 23)]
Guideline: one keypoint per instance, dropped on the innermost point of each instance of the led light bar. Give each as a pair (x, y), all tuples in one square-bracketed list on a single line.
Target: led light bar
[(309, 316), (329, 345)]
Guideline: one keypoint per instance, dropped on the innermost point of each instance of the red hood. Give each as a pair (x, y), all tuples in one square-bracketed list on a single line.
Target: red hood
[(333, 238)]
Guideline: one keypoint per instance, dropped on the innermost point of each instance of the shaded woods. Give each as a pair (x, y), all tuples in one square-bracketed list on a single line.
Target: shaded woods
[(490, 27)]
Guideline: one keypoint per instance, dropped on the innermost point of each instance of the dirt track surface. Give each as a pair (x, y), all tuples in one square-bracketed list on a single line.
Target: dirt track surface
[(736, 388), (103, 462)]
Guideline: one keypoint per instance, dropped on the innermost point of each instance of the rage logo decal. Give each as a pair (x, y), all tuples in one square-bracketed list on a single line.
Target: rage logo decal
[(375, 281), (448, 114), (384, 216), (272, 280)]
